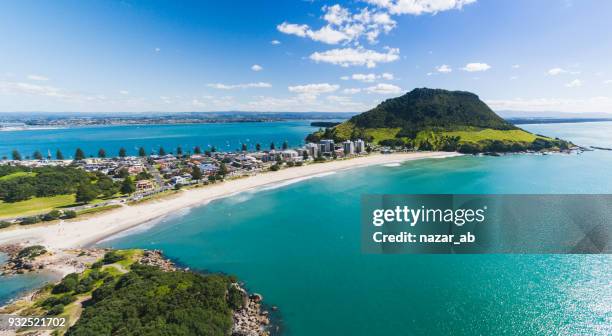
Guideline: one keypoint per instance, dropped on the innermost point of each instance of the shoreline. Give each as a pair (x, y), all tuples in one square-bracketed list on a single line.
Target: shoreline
[(86, 232)]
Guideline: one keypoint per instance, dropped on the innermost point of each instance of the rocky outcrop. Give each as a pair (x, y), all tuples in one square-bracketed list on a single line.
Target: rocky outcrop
[(250, 320), (156, 258)]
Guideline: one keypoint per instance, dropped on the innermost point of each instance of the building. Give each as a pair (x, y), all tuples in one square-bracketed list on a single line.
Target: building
[(326, 146), (359, 146), (348, 147), (290, 155), (144, 186), (312, 149)]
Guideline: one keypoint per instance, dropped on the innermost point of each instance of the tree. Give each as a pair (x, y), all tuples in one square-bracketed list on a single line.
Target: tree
[(59, 155), (213, 149), (179, 151), (258, 147), (272, 146), (142, 152), (122, 152), (197, 150), (222, 169), (127, 186), (106, 186), (86, 192), (196, 173), (275, 167), (101, 153), (161, 151), (37, 155), (16, 155), (305, 156), (285, 145), (79, 154), (244, 147)]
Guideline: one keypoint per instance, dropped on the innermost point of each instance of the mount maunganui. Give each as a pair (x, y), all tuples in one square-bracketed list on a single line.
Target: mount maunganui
[(436, 119)]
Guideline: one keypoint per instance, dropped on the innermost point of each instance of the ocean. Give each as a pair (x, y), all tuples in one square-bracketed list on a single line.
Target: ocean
[(299, 245)]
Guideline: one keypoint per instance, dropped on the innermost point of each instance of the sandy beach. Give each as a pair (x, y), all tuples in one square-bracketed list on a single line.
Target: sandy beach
[(88, 231)]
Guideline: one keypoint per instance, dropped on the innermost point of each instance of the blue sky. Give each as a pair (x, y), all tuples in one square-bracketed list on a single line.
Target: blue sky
[(293, 55)]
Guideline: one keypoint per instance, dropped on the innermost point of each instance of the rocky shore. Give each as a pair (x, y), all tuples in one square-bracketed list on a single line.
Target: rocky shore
[(251, 319)]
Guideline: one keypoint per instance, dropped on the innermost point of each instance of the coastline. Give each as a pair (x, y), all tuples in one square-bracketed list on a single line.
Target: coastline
[(82, 233)]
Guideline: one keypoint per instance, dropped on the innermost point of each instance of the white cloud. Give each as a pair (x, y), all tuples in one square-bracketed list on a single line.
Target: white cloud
[(18, 88), (592, 104), (124, 92), (275, 42), (37, 78), (292, 29), (351, 91), (256, 67), (475, 67), (418, 7), (314, 89), (575, 83), (356, 56), (516, 66), (157, 49), (383, 88), (560, 71), (221, 86), (345, 78), (328, 35), (444, 68), (368, 78), (336, 14), (387, 76)]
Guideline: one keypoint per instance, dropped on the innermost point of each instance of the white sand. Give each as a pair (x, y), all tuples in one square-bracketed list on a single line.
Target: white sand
[(91, 230)]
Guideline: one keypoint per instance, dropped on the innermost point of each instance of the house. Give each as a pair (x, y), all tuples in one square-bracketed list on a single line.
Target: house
[(144, 186)]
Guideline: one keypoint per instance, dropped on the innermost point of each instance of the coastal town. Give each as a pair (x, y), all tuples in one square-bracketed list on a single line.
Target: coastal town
[(137, 178)]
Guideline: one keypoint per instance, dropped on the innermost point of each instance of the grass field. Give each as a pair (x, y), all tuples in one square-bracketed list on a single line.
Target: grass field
[(34, 206), (491, 134), (15, 175)]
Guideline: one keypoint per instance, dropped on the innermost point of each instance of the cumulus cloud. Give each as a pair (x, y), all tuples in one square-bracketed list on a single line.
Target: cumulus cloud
[(476, 67), (561, 71), (444, 68), (575, 83), (275, 42), (292, 29), (418, 7), (221, 86), (37, 78), (356, 56), (351, 91), (368, 78), (384, 88), (256, 67), (314, 89)]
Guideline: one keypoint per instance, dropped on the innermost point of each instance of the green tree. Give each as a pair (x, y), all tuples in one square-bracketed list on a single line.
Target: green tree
[(179, 151), (16, 155), (101, 153), (161, 151), (222, 169), (122, 152), (142, 152), (107, 187), (244, 147), (197, 150), (285, 145), (213, 149), (79, 154), (196, 173), (258, 147), (272, 146), (305, 155), (59, 155), (37, 155), (86, 192), (127, 186)]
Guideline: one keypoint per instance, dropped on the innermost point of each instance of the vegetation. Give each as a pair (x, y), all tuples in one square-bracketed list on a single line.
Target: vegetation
[(433, 119), (31, 252), (35, 205)]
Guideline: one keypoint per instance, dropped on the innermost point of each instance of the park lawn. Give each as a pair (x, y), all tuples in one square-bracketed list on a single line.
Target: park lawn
[(15, 175), (35, 206), (491, 134)]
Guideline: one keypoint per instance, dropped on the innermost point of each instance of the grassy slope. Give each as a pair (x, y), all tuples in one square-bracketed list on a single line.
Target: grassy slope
[(36, 205), (491, 134), (15, 175)]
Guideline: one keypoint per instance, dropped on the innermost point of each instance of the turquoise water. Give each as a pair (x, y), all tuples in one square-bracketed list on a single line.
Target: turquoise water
[(12, 286), (298, 244), (227, 137)]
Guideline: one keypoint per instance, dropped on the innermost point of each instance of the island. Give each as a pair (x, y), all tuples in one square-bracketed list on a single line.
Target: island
[(435, 119)]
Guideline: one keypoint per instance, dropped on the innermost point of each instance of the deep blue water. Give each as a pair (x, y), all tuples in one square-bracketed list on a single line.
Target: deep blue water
[(226, 137)]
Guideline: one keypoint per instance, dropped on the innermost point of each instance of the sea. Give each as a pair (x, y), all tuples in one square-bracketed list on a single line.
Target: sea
[(298, 244)]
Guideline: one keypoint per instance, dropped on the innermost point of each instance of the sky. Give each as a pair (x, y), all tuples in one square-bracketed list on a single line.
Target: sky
[(295, 55)]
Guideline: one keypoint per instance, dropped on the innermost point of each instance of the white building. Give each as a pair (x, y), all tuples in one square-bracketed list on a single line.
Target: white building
[(312, 149), (359, 146), (349, 147), (326, 146), (290, 155)]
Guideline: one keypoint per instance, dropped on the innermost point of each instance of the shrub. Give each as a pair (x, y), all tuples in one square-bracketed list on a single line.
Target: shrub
[(30, 220), (69, 214), (56, 310), (275, 167), (68, 284), (52, 215), (112, 257), (4, 224), (31, 252)]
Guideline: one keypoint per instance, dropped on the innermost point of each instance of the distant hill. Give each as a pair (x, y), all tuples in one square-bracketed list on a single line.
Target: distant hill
[(436, 119)]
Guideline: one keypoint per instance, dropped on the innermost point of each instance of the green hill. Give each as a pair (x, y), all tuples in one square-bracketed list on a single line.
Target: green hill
[(435, 119)]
